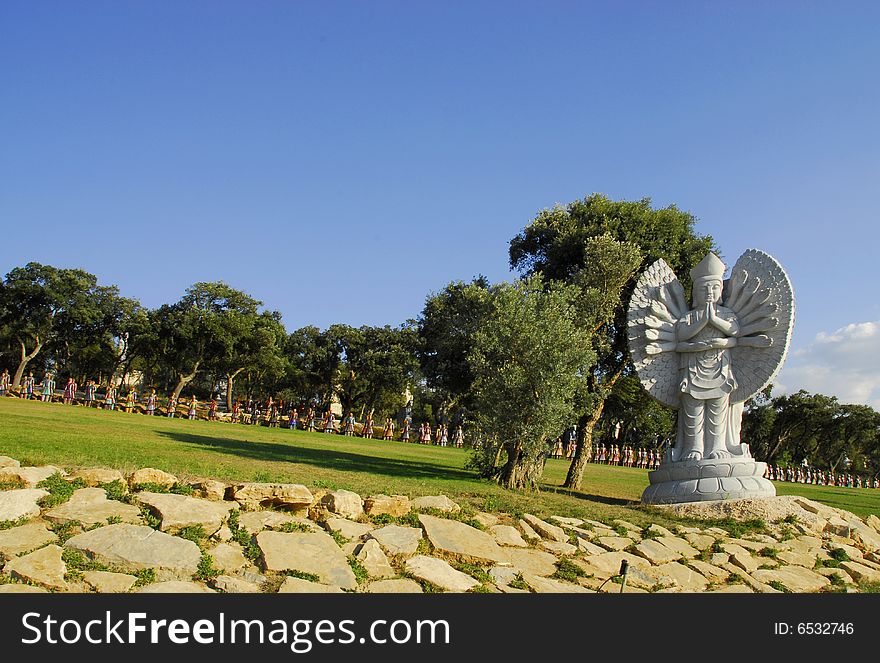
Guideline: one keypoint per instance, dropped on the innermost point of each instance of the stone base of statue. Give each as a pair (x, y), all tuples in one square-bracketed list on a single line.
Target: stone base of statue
[(738, 477)]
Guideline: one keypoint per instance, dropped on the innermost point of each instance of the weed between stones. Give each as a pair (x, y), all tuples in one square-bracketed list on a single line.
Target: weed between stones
[(519, 583), (294, 527), (293, 573), (116, 490), (360, 573), (144, 577), (150, 518), (9, 524), (60, 490), (242, 537), (869, 587), (568, 570), (66, 530), (206, 570), (194, 533)]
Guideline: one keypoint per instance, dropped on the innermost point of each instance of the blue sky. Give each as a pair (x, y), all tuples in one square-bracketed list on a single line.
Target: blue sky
[(341, 160)]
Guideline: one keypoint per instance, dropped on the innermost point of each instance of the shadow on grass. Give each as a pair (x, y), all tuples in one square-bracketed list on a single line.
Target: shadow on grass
[(324, 458), (603, 499)]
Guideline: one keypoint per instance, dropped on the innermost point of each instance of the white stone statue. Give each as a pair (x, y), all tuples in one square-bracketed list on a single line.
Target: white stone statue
[(706, 361)]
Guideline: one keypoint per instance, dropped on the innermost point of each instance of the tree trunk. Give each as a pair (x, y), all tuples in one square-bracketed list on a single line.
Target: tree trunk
[(586, 426), (25, 358), (184, 380), (229, 379), (575, 475), (520, 472)]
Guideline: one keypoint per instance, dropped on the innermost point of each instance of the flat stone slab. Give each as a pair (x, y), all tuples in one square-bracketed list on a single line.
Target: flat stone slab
[(135, 547), (43, 567), (313, 552), (461, 540), (348, 528), (797, 559), (678, 545), (175, 587), (16, 588), (228, 557), (527, 531), (487, 520), (620, 522), (567, 522), (748, 544), (557, 548), (208, 489), (439, 502), (506, 535), (615, 542), (864, 535), (233, 585), (396, 586), (742, 558), (95, 476), (291, 496), (398, 540), (344, 503), (699, 541), (392, 505), (180, 511), (608, 564), (658, 530), (503, 575), (545, 529), (860, 572), (20, 503), (710, 571), (830, 572), (371, 557), (851, 551), (105, 582), (23, 539), (536, 562), (656, 552), (795, 578), (440, 573), (90, 506), (293, 585), (148, 475), (543, 585), (6, 461), (588, 548), (685, 578), (719, 559), (257, 521), (30, 476), (752, 582)]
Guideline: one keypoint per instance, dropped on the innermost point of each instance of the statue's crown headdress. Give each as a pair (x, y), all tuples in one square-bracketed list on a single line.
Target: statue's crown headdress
[(709, 267)]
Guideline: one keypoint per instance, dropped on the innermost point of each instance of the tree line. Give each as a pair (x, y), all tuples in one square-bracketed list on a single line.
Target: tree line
[(515, 363)]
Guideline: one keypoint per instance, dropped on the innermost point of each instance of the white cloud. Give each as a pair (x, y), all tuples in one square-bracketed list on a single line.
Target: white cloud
[(844, 363)]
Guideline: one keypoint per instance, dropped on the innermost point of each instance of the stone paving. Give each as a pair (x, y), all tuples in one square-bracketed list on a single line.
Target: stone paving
[(150, 531)]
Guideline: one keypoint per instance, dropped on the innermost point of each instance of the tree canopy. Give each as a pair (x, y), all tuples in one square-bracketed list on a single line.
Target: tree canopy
[(601, 245), (530, 361)]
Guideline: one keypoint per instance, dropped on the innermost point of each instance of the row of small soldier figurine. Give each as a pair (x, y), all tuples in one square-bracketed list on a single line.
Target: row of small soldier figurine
[(627, 456), (819, 477)]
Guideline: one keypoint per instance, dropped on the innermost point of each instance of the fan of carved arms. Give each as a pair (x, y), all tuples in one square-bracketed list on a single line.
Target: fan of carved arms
[(758, 292)]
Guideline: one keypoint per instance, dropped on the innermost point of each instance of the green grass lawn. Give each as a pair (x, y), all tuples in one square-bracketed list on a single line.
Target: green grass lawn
[(37, 433)]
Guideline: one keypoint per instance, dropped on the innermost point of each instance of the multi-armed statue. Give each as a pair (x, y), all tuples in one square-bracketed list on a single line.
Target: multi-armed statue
[(706, 361)]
